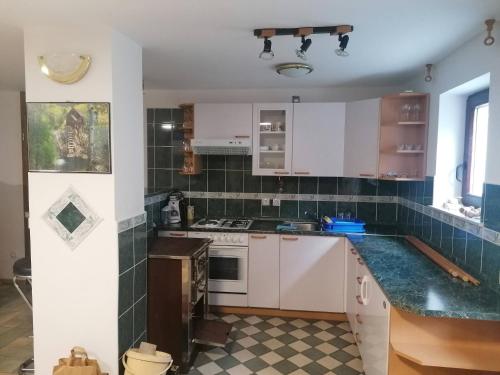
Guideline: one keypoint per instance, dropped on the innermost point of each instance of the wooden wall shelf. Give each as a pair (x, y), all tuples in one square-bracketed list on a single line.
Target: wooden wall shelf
[(404, 120), (192, 162)]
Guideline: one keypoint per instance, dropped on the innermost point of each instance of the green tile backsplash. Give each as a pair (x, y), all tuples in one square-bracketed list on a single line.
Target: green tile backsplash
[(132, 280), (477, 253)]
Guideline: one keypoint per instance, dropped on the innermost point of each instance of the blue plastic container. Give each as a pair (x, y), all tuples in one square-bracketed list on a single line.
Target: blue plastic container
[(344, 226)]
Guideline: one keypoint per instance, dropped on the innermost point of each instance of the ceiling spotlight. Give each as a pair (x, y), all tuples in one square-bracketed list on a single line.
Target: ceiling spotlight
[(267, 53), (343, 40), (306, 43)]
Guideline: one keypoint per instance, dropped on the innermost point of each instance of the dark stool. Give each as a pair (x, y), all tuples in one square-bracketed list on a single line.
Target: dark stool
[(22, 272)]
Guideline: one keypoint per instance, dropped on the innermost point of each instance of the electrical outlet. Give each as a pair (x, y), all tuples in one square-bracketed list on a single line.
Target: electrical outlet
[(266, 201), (276, 202)]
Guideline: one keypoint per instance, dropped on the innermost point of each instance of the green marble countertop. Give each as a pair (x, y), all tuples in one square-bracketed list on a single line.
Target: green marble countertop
[(413, 283), (268, 226)]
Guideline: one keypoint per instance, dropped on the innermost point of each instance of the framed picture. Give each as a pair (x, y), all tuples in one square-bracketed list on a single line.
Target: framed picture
[(69, 137)]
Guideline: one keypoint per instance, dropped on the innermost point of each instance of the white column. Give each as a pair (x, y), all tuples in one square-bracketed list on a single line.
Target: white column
[(75, 292)]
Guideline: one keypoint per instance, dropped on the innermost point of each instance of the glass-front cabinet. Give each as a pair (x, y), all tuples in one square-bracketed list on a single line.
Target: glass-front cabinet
[(272, 138)]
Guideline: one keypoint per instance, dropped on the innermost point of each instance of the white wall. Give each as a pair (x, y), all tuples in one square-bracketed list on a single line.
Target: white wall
[(75, 292), (450, 147), (172, 98), (471, 60), (127, 127), (11, 183)]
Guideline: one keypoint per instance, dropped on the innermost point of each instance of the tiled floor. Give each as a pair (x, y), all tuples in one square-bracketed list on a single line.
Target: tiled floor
[(15, 328), (268, 346)]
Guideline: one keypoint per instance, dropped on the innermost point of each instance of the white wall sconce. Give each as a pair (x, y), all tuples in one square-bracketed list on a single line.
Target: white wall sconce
[(66, 68)]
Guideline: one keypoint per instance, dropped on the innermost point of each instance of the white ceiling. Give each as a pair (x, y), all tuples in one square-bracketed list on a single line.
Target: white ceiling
[(205, 44)]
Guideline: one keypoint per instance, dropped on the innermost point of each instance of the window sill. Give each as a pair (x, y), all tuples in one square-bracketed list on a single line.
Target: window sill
[(460, 215)]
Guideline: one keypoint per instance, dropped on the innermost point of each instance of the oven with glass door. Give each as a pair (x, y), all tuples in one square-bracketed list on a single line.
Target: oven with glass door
[(227, 268)]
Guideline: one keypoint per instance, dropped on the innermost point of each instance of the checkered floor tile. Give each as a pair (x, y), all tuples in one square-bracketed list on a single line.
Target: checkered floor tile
[(269, 346)]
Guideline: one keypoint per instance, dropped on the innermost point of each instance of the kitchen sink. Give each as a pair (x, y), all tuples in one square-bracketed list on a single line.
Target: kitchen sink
[(303, 226)]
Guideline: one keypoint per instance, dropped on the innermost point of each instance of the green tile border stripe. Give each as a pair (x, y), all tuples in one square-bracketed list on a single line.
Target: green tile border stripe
[(155, 199), (298, 197), (475, 228), (131, 222)]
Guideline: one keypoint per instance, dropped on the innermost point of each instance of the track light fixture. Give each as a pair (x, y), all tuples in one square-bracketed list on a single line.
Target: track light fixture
[(267, 53), (301, 52), (343, 41), (303, 32)]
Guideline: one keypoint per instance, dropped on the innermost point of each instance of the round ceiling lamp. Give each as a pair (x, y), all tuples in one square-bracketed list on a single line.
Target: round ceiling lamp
[(293, 70)]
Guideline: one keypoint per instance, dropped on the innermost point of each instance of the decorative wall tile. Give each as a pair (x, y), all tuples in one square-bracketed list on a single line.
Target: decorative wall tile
[(71, 218)]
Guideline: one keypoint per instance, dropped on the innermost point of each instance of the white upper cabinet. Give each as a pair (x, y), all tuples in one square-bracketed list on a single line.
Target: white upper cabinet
[(223, 121), (362, 139), (272, 139), (318, 139)]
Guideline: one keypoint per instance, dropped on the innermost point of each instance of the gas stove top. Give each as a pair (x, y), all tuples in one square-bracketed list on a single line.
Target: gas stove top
[(229, 224)]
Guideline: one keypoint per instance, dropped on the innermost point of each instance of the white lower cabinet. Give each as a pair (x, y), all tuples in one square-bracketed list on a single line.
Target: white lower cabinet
[(368, 311), (264, 270), (312, 273)]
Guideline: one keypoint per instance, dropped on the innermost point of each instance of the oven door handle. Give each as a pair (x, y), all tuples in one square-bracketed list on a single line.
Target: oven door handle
[(235, 247), (225, 256)]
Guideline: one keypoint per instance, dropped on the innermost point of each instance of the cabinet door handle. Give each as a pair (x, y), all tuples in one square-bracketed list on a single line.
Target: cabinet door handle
[(359, 280), (361, 262), (283, 173), (358, 340), (366, 175), (241, 136), (359, 299), (358, 319), (258, 237), (354, 252), (177, 234), (302, 173), (290, 238), (364, 291)]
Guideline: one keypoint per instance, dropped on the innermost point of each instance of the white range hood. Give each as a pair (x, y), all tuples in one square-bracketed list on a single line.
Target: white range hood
[(230, 146)]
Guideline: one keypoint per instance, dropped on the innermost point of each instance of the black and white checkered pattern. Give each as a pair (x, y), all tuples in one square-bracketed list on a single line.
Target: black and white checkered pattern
[(269, 346)]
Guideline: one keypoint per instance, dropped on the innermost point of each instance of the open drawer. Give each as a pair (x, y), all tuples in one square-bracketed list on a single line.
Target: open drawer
[(211, 332)]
